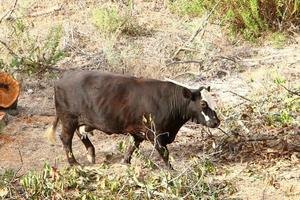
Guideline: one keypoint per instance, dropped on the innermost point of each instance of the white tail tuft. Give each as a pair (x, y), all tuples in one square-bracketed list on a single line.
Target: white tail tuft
[(50, 134)]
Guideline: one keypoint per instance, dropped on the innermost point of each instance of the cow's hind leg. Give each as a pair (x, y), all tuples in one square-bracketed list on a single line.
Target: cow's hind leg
[(66, 137), (88, 145), (136, 143)]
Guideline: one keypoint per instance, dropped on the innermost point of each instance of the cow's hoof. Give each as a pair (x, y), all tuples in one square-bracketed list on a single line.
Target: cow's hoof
[(126, 161), (91, 159)]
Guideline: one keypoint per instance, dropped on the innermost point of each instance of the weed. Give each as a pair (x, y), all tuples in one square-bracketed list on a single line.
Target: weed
[(278, 39)]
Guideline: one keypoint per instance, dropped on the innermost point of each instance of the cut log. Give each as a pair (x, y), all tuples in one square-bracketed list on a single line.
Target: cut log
[(9, 91)]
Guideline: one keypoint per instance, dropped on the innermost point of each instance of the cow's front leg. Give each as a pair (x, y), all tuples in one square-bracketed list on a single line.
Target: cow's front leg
[(164, 153), (136, 143)]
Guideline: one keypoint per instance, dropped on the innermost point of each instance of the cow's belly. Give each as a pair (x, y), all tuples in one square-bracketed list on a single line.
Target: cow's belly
[(105, 126)]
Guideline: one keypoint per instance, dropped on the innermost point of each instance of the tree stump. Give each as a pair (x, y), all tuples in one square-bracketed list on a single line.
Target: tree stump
[(9, 91)]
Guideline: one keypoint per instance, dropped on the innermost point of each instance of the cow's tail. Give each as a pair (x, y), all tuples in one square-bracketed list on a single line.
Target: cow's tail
[(50, 133)]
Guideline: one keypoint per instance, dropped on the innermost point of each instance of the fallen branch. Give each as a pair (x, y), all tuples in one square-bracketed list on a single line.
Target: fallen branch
[(185, 61), (22, 163), (239, 95), (261, 139), (200, 28), (290, 91), (233, 59), (45, 12), (223, 131), (185, 73), (7, 15), (9, 49)]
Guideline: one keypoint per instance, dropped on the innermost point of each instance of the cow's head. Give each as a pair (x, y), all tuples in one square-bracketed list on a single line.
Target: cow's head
[(201, 108)]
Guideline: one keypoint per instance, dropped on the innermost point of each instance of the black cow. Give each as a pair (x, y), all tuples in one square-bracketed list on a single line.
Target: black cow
[(147, 109)]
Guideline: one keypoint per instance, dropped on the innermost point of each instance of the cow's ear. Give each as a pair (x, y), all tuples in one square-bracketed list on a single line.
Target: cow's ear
[(187, 93)]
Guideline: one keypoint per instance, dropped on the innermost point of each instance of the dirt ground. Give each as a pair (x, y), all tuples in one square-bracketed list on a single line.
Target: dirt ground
[(23, 145)]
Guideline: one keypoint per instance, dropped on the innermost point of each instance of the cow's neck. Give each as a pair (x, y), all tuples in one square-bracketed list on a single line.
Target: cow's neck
[(179, 108)]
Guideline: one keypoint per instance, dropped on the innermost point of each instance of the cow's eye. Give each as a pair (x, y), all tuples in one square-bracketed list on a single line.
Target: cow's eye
[(203, 104)]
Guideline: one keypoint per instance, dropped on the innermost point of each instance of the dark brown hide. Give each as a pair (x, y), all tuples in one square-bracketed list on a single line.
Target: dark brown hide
[(122, 104)]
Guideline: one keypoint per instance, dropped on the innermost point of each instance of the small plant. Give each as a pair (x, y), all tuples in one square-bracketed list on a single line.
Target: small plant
[(191, 8), (278, 39), (111, 21), (279, 80), (6, 187), (107, 20)]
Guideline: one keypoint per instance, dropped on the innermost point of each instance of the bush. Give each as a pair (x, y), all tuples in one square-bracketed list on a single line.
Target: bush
[(248, 18), (252, 18), (32, 54), (111, 20), (107, 20)]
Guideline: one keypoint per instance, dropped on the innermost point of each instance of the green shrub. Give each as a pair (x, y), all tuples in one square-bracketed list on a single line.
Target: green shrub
[(111, 20), (251, 18), (107, 20), (191, 8), (248, 18), (278, 39), (32, 54)]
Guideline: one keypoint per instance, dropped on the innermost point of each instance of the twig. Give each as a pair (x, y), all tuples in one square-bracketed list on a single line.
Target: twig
[(223, 131), (9, 49), (180, 174), (239, 95), (194, 186), (7, 15), (201, 27), (185, 61), (260, 139), (233, 59), (204, 22), (290, 91), (45, 12), (21, 159)]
